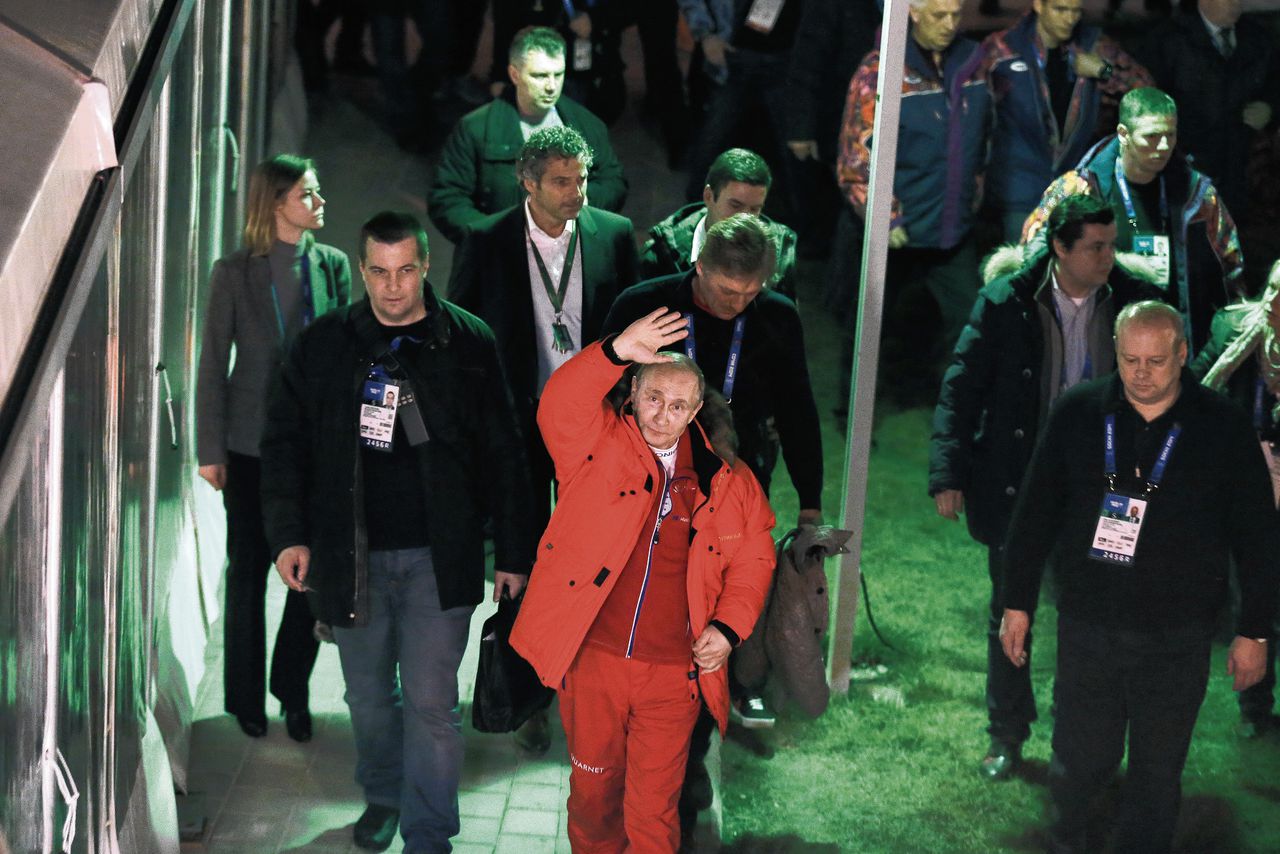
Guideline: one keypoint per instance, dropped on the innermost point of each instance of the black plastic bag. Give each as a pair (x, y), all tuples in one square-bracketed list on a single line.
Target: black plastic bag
[(507, 688)]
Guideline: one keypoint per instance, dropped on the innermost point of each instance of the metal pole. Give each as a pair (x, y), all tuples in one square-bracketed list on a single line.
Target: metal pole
[(862, 391)]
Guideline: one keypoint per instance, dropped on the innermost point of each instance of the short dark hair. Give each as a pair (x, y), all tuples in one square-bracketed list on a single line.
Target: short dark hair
[(561, 141), (531, 39), (740, 245), (738, 164), (393, 227), (1069, 217), (1145, 101)]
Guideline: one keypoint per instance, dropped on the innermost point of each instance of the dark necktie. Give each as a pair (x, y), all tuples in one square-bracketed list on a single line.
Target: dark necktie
[(1227, 42)]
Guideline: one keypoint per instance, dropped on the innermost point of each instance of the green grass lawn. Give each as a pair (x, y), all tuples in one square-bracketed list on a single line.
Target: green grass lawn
[(893, 767)]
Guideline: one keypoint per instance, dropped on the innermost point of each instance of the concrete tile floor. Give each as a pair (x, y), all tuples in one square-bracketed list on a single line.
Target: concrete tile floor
[(272, 795)]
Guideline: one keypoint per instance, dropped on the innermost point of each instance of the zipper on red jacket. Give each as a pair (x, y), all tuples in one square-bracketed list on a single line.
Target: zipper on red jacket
[(648, 563)]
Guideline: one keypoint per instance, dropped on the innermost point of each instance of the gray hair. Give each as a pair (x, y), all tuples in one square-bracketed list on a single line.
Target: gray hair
[(679, 362)]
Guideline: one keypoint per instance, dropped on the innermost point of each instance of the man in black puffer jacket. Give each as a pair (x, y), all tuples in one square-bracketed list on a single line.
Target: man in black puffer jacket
[(1033, 333)]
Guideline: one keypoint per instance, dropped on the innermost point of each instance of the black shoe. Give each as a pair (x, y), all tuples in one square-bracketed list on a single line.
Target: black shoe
[(1002, 757), (375, 830), (298, 724), (254, 727)]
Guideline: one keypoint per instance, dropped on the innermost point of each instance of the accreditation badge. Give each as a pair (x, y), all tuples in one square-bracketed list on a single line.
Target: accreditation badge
[(1155, 249), (1115, 540), (378, 404), (763, 16)]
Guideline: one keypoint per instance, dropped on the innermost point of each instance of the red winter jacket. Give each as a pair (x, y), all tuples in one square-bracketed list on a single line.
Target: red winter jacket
[(606, 473)]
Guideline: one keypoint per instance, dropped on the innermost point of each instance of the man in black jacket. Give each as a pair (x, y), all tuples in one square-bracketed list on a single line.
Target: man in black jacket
[(382, 522), (750, 346), (1144, 491), (1033, 334), (476, 173)]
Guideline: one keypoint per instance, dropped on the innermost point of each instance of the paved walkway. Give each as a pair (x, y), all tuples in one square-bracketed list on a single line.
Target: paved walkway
[(269, 795)]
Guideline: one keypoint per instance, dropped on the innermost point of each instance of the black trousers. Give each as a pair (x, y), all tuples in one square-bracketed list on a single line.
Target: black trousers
[(249, 565), (1011, 705), (1113, 684)]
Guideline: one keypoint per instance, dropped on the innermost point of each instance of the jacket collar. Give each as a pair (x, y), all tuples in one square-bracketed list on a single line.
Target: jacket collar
[(360, 315), (1115, 401)]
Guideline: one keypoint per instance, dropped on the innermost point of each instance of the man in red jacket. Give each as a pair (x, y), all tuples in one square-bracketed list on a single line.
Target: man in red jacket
[(655, 565)]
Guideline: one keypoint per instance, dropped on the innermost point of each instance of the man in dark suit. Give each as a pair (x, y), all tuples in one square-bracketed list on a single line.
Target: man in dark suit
[(511, 270), (543, 274)]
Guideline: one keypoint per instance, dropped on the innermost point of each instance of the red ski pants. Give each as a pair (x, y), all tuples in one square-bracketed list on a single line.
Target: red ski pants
[(628, 725)]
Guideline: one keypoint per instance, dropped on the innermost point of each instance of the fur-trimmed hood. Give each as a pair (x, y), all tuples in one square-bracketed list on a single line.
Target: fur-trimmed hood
[(1009, 258)]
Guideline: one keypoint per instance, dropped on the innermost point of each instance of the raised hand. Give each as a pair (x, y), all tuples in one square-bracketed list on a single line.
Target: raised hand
[(641, 341)]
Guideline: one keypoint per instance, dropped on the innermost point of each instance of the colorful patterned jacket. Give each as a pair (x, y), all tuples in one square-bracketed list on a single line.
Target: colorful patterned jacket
[(1029, 146), (943, 142), (1208, 264)]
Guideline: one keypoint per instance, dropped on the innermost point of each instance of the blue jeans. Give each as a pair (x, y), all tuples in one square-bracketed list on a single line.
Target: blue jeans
[(408, 730)]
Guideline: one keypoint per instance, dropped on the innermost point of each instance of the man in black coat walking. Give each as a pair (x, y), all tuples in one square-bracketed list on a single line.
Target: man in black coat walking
[(390, 438), (1033, 334)]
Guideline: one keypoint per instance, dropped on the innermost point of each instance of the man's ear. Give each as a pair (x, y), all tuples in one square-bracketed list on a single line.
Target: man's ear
[(1059, 248), (513, 74), (707, 196)]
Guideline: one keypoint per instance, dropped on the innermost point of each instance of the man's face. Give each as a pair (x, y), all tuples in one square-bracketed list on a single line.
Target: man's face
[(538, 81), (1058, 18), (562, 190), (735, 197), (1221, 13), (935, 23), (1087, 264), (393, 276), (303, 206), (722, 295), (664, 404), (1149, 363), (1147, 145)]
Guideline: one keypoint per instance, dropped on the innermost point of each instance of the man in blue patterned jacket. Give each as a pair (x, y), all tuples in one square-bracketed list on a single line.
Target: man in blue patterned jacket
[(945, 129), (1054, 80)]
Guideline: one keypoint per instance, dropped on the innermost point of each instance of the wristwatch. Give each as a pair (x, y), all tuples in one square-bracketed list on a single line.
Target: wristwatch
[(1105, 72)]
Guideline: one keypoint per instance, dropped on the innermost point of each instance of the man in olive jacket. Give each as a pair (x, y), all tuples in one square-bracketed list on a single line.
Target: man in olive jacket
[(390, 437), (476, 175), (1033, 333)]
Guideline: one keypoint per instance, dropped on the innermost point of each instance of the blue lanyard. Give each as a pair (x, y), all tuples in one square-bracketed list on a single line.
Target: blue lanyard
[(1157, 470), (735, 353), (378, 370), (1123, 185), (308, 301)]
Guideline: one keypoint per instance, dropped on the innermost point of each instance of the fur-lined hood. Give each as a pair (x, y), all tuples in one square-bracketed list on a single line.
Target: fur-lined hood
[(1009, 258)]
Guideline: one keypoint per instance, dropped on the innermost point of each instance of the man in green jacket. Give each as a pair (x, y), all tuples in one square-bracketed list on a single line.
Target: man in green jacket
[(476, 175), (737, 182)]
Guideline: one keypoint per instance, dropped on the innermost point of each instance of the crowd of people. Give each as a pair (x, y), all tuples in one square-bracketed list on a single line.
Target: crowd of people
[(609, 410)]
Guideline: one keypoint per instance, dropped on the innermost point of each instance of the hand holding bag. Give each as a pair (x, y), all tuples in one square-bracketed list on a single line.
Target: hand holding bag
[(507, 688)]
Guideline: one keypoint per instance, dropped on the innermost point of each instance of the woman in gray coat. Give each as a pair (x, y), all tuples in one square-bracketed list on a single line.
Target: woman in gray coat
[(260, 297)]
